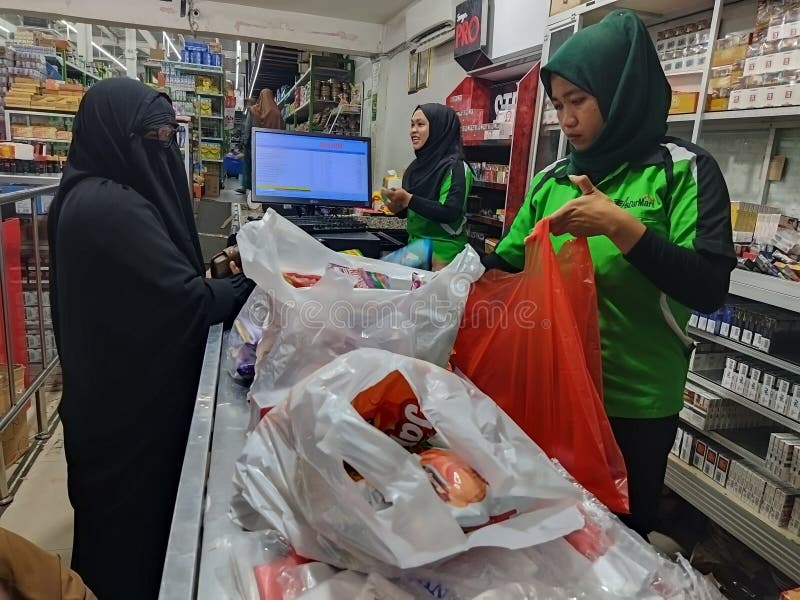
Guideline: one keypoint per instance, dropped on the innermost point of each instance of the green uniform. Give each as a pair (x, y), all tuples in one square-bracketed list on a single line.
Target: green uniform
[(679, 193), (448, 239)]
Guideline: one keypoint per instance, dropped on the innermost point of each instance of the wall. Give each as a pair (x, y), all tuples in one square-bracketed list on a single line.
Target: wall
[(518, 25), (248, 23), (392, 134)]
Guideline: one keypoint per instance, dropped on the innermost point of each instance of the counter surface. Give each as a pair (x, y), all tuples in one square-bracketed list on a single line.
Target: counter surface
[(193, 567)]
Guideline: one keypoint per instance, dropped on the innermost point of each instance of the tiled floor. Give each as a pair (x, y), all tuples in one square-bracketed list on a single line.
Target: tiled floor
[(41, 511)]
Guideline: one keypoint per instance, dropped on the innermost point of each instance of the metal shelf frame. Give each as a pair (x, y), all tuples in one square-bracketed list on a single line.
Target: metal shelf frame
[(763, 288), (714, 386), (774, 361), (775, 544)]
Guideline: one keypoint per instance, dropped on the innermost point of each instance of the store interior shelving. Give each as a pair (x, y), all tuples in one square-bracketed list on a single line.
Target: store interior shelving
[(775, 544), (750, 445)]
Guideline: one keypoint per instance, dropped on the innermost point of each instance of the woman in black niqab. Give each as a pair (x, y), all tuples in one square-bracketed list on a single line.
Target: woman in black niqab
[(131, 311)]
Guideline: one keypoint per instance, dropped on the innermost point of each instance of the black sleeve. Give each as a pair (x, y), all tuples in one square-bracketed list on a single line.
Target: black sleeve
[(178, 301), (697, 279), (452, 210), (494, 261)]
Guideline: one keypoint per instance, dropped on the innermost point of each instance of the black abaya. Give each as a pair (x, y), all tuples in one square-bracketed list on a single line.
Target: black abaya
[(131, 310)]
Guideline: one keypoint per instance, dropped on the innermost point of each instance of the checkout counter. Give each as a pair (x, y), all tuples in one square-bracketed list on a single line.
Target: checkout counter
[(200, 521)]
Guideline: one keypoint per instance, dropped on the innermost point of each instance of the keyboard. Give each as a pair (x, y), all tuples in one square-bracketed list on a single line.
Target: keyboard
[(332, 224)]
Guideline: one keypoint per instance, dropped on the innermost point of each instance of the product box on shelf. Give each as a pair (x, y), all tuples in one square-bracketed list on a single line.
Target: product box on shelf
[(683, 102), (723, 469), (699, 457), (710, 464), (469, 94), (794, 518), (676, 446), (558, 6), (687, 447)]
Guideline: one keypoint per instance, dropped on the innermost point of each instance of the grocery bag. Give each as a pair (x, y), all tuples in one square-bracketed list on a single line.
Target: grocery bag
[(531, 342), (307, 327), (245, 336), (349, 493)]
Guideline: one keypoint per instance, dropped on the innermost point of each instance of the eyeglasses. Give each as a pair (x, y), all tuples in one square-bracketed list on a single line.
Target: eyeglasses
[(164, 135)]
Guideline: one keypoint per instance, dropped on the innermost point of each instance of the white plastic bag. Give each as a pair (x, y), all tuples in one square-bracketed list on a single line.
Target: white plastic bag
[(292, 472), (245, 336), (309, 327)]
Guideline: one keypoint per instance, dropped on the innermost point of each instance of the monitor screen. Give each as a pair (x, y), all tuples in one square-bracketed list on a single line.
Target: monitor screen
[(292, 167)]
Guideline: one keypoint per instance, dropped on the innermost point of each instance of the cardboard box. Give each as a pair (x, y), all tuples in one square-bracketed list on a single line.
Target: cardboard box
[(728, 56), (16, 439), (700, 449), (157, 54), (683, 102), (557, 6)]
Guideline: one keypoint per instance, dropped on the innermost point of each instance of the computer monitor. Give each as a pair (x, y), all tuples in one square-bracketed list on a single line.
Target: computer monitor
[(292, 167)]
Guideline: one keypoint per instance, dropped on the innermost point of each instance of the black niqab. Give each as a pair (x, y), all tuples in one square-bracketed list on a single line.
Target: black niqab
[(436, 158), (107, 143)]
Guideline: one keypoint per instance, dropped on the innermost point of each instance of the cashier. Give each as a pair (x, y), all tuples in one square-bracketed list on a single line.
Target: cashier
[(656, 213), (436, 184)]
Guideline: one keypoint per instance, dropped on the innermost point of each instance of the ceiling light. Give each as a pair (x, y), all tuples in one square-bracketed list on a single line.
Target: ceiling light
[(255, 74), (4, 29), (170, 44), (69, 27), (108, 54), (238, 60)]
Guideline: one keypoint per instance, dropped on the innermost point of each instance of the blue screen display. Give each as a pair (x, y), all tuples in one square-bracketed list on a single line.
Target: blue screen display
[(309, 169)]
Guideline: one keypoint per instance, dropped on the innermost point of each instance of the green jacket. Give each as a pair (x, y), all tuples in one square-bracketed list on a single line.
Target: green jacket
[(443, 220), (678, 192)]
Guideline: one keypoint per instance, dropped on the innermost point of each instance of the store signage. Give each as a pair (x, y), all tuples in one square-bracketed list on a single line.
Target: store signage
[(470, 34), (504, 97), (471, 22)]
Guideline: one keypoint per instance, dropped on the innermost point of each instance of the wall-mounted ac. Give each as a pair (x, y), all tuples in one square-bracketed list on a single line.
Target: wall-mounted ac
[(427, 19), (435, 36)]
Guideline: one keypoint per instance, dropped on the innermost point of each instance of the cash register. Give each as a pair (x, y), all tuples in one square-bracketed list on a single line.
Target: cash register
[(311, 172)]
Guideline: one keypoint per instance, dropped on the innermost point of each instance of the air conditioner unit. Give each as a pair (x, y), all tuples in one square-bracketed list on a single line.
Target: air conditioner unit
[(427, 16), (436, 36)]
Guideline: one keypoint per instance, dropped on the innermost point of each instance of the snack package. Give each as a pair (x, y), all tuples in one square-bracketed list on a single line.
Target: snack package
[(392, 407), (457, 484), (299, 280), (245, 336), (418, 254)]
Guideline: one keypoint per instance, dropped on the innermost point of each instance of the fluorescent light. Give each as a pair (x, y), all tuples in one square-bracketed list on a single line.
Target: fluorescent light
[(108, 54), (165, 35), (255, 74), (69, 27), (238, 60), (4, 29)]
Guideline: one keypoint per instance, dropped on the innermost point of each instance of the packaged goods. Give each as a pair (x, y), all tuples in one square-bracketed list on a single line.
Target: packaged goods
[(313, 325), (290, 474)]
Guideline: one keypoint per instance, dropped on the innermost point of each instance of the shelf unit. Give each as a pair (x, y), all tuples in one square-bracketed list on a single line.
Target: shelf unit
[(202, 123), (775, 544), (489, 185), (29, 116), (484, 220), (550, 146), (314, 112)]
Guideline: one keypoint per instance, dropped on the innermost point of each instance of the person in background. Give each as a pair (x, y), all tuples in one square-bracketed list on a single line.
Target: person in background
[(27, 571), (247, 150), (436, 184), (264, 114), (131, 312), (656, 213)]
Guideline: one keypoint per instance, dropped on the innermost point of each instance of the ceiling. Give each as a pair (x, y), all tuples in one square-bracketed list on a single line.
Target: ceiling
[(368, 11)]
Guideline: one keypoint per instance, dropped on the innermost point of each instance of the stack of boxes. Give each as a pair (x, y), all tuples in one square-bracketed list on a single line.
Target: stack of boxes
[(15, 439), (683, 49), (770, 388), (707, 412), (470, 100), (37, 354), (760, 69), (698, 452)]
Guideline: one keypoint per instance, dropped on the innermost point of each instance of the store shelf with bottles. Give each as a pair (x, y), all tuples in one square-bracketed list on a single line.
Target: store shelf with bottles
[(326, 83)]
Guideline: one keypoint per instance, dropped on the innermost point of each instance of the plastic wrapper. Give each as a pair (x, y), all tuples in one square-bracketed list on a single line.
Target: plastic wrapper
[(292, 476), (245, 336), (310, 326), (418, 254)]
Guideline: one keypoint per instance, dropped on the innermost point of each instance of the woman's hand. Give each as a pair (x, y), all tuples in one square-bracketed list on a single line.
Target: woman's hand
[(593, 214), (398, 199)]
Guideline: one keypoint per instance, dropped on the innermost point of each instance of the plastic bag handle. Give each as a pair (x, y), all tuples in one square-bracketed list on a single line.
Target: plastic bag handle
[(541, 235)]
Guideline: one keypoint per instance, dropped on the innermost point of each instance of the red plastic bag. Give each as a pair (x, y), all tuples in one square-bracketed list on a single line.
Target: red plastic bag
[(531, 342)]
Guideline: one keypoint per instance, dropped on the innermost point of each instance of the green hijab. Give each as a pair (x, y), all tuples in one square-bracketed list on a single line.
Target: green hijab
[(616, 62)]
